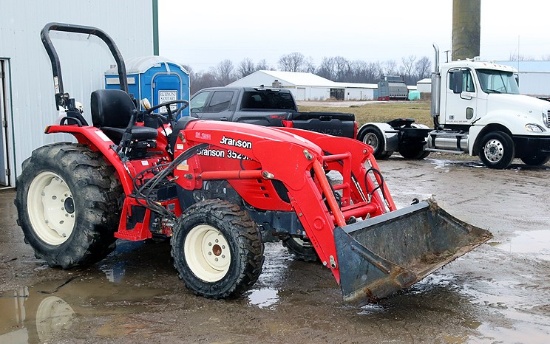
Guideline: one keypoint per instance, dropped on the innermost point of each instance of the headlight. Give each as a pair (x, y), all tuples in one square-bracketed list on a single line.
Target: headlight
[(545, 118), (534, 128)]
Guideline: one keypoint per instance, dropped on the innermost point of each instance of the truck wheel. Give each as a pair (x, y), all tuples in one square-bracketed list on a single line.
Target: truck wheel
[(217, 249), (497, 150), (535, 160), (67, 201), (301, 249), (413, 151), (374, 138)]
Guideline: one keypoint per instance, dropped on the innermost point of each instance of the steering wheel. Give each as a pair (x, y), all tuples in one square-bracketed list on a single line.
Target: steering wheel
[(171, 115)]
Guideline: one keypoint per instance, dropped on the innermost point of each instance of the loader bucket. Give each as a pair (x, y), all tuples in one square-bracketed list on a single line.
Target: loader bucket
[(387, 253)]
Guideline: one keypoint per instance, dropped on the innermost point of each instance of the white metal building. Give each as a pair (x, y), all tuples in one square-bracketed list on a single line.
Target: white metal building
[(27, 103), (304, 86), (359, 91), (534, 76), (424, 85), (308, 86)]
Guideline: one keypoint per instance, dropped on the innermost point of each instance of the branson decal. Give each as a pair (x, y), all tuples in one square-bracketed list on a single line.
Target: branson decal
[(236, 143)]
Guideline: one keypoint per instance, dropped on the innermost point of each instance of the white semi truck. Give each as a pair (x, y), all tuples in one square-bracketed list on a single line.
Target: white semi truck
[(476, 109)]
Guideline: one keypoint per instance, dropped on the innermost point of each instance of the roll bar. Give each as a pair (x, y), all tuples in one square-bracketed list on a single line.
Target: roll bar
[(60, 97)]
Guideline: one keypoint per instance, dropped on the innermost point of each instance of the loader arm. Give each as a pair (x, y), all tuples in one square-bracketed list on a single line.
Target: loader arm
[(362, 163)]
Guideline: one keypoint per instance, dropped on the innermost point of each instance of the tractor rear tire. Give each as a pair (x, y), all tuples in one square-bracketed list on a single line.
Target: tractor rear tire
[(301, 249), (217, 249), (67, 205)]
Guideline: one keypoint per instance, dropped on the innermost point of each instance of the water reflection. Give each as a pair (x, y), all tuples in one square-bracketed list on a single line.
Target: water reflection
[(265, 294), (26, 319), (264, 297), (536, 243), (39, 313)]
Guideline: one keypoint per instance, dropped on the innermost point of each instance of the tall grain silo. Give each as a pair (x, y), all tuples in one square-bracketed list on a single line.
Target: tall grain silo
[(466, 28)]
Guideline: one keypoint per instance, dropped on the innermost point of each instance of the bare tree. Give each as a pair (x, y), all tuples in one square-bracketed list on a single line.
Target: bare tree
[(358, 71), (335, 68), (246, 67), (309, 66), (407, 69), (517, 57), (390, 67), (262, 65), (363, 72), (343, 69), (423, 68), (293, 62), (202, 80), (224, 72), (327, 68)]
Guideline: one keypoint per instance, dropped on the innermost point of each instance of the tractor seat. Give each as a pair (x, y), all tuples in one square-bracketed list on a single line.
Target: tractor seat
[(112, 111)]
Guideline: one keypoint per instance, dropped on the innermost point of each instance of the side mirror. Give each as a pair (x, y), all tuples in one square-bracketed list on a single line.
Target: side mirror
[(458, 82)]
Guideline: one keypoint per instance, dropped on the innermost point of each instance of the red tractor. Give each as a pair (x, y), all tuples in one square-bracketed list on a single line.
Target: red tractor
[(220, 190)]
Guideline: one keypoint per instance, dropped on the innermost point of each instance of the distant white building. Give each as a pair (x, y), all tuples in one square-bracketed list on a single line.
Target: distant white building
[(308, 86), (359, 91), (424, 85), (534, 76)]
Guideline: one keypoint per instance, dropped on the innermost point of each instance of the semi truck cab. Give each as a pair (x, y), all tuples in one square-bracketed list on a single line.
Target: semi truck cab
[(480, 105), (477, 109)]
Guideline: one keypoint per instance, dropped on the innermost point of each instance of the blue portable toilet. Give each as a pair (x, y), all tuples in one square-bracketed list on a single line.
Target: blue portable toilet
[(153, 77)]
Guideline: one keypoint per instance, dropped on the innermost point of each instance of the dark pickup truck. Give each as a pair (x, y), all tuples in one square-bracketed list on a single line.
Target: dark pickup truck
[(269, 107)]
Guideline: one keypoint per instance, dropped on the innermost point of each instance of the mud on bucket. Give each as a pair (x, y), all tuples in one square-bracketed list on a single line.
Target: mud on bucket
[(387, 253)]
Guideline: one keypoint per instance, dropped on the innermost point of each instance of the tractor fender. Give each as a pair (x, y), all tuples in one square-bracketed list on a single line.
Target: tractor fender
[(97, 140)]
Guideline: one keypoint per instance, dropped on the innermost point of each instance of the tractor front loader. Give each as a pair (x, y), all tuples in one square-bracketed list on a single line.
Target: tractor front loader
[(219, 190)]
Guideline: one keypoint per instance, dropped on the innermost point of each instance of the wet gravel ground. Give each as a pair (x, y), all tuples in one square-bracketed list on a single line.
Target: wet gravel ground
[(498, 293)]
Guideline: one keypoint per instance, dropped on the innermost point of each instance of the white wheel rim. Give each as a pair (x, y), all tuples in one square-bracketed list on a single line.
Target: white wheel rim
[(207, 253), (51, 209), (53, 316), (371, 139), (494, 150)]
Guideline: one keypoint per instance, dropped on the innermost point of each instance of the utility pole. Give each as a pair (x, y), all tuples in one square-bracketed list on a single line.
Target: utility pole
[(466, 28)]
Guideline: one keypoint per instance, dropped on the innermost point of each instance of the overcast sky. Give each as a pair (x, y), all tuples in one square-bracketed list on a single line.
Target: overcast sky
[(202, 33)]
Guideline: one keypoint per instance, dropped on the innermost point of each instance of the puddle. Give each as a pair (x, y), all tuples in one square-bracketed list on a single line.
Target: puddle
[(264, 293), (37, 314), (513, 316), (535, 242), (264, 298), (371, 309), (446, 164)]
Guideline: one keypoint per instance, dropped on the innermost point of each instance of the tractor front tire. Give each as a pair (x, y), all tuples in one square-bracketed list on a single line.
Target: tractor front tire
[(217, 249), (67, 201), (301, 249)]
